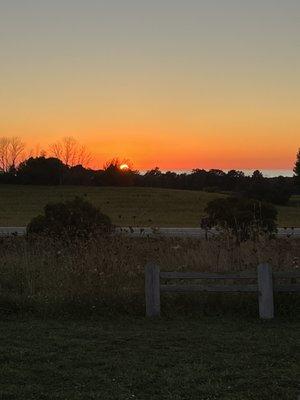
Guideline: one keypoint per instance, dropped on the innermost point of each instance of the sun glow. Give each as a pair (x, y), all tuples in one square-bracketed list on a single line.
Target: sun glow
[(124, 167)]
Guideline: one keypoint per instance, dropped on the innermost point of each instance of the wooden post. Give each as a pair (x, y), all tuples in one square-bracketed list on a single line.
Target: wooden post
[(152, 290), (265, 291)]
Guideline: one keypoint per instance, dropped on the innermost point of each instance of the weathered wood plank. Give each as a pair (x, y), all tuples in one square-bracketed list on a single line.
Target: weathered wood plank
[(286, 274), (287, 288), (208, 288), (202, 275), (152, 290), (265, 286)]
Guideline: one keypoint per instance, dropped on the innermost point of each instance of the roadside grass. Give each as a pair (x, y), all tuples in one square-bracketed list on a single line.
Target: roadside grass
[(133, 358), (105, 275), (126, 206)]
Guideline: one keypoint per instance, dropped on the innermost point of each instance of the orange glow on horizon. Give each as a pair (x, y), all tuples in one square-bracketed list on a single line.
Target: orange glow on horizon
[(171, 150)]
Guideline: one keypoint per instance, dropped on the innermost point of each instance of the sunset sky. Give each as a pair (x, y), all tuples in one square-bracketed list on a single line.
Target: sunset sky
[(178, 84)]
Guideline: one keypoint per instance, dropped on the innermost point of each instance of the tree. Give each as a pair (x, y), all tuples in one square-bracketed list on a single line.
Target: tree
[(16, 149), (257, 176), (70, 152), (153, 177), (113, 175), (297, 169), (79, 175), (11, 150), (4, 154), (272, 190), (41, 171), (36, 151), (244, 218), (235, 180)]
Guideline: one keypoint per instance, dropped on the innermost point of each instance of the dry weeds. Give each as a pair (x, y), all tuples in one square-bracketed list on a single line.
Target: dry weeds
[(110, 271)]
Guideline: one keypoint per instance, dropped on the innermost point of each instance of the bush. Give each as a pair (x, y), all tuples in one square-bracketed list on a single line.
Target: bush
[(76, 218), (244, 218)]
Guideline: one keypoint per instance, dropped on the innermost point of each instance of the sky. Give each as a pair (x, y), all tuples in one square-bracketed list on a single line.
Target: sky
[(169, 83)]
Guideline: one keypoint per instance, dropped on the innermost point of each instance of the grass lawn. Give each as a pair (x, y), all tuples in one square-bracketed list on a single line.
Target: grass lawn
[(122, 359), (125, 206)]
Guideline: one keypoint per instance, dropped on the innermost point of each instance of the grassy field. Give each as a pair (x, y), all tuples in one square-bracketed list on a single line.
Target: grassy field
[(124, 359), (125, 206)]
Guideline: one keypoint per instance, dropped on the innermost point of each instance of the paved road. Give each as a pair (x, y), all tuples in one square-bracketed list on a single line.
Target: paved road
[(154, 232)]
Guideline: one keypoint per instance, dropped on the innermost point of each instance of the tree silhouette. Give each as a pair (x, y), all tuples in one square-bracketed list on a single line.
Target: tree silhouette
[(11, 151), (4, 154), (297, 169), (297, 164), (41, 171), (70, 152)]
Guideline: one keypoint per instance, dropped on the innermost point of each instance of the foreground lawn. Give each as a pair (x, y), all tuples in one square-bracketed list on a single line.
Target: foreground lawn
[(125, 206), (208, 358)]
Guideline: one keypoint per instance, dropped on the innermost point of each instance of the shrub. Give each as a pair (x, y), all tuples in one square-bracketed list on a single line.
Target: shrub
[(75, 218), (244, 218)]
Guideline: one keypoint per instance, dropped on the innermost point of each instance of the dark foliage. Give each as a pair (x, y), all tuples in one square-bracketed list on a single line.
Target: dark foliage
[(9, 176), (41, 171), (112, 175), (76, 218), (244, 218), (51, 171), (297, 171), (274, 190), (297, 164), (78, 175)]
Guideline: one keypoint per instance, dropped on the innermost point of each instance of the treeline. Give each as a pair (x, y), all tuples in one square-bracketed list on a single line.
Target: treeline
[(52, 171), (13, 151)]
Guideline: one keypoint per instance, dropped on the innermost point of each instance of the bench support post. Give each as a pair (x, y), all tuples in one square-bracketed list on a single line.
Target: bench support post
[(152, 290), (265, 291)]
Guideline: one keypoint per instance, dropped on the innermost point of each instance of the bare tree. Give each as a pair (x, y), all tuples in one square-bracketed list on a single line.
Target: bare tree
[(70, 152), (11, 151), (84, 157), (4, 154), (36, 151), (16, 150)]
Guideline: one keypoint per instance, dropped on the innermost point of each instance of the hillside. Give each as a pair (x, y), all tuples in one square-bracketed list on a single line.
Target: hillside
[(126, 206)]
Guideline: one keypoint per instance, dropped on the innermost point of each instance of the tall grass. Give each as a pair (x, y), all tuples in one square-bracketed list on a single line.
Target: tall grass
[(103, 275)]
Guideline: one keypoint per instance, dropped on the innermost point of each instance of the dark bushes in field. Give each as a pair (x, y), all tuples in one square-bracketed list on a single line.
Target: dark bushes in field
[(244, 218), (75, 218)]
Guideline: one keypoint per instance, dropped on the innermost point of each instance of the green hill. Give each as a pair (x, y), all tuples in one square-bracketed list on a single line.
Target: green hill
[(125, 206)]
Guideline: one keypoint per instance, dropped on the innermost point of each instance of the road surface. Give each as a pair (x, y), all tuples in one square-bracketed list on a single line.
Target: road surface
[(154, 232)]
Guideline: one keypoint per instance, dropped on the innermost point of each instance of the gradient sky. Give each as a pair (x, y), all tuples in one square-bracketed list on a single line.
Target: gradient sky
[(178, 84)]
